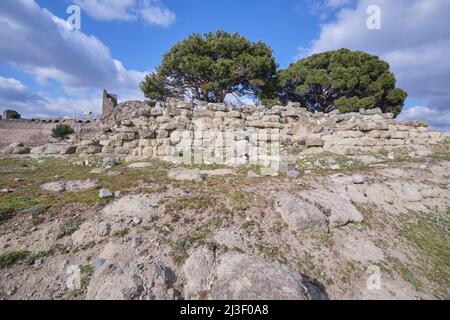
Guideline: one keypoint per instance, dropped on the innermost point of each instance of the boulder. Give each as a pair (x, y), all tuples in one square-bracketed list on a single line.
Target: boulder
[(139, 205), (114, 278), (70, 186), (105, 193), (183, 174), (301, 215), (17, 148), (109, 162), (238, 276), (103, 229), (338, 207), (314, 142)]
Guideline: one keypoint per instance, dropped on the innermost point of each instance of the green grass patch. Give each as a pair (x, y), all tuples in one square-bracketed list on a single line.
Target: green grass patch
[(189, 203), (11, 258), (183, 244), (430, 235)]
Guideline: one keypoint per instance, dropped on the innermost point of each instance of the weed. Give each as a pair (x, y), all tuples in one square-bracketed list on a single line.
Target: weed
[(11, 258)]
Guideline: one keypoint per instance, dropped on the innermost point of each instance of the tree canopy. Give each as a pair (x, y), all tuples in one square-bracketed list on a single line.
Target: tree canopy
[(342, 79), (211, 66)]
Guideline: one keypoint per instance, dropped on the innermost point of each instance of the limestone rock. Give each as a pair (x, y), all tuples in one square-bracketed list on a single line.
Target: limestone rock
[(183, 174), (337, 207), (314, 142), (139, 205), (301, 215), (115, 279), (105, 193), (17, 148), (103, 229), (237, 276)]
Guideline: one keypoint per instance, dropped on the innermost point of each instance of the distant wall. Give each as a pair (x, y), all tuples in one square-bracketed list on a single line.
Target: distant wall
[(34, 133)]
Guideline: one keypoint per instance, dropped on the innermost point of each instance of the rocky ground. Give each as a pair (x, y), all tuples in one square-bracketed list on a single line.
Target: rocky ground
[(85, 227)]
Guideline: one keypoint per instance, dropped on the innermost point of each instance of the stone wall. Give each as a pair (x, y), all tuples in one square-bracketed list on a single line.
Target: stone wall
[(178, 130), (37, 132)]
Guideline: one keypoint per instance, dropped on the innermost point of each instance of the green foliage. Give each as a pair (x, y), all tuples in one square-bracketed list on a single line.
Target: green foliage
[(61, 130), (211, 66), (183, 244), (71, 225), (342, 79), (13, 114), (10, 258)]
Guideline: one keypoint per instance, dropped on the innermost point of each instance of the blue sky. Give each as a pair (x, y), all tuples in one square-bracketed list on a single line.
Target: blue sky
[(47, 70)]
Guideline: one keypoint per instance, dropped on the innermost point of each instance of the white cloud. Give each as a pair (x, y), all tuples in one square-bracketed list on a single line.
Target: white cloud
[(44, 45), (440, 119), (153, 13), (15, 95), (108, 10), (414, 39), (34, 40), (150, 11)]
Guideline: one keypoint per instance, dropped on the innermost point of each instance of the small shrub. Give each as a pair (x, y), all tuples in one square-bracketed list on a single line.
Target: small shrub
[(5, 215), (70, 226), (10, 258), (61, 130), (11, 114)]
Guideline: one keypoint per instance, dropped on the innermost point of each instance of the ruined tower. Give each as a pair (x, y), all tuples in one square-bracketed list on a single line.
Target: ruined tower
[(109, 103)]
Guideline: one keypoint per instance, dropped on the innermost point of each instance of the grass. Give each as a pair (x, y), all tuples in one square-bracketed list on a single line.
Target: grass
[(271, 252), (29, 197), (5, 214), (240, 200), (87, 271), (183, 244), (325, 160), (121, 233), (11, 258), (216, 222), (406, 273), (71, 225), (296, 150), (190, 203), (430, 235), (277, 227)]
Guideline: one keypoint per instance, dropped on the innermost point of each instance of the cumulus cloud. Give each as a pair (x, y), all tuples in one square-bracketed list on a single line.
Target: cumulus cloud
[(15, 95), (45, 46), (414, 39), (150, 11), (34, 40), (108, 10), (440, 119)]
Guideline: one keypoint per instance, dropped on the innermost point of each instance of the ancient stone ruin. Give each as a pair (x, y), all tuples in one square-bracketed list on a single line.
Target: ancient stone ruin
[(171, 129), (181, 131), (109, 103)]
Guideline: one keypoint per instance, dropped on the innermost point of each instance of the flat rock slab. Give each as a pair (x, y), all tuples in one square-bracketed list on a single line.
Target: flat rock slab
[(237, 276), (300, 214), (70, 186), (139, 205), (338, 207), (139, 165), (184, 174), (115, 278), (217, 172)]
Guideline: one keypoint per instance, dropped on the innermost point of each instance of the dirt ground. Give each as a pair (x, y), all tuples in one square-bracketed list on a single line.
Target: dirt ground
[(400, 249)]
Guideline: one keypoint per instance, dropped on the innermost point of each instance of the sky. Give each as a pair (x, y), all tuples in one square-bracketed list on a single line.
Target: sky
[(48, 69)]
